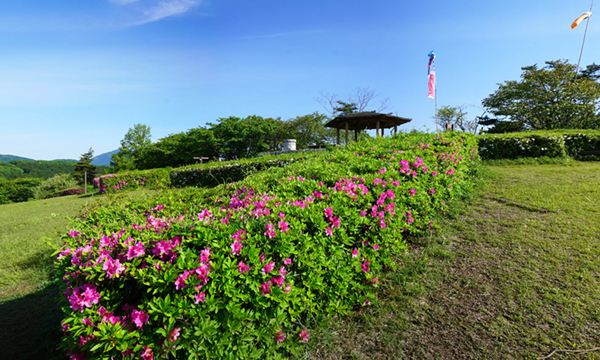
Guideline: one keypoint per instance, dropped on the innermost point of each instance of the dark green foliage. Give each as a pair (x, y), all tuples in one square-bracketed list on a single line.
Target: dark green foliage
[(554, 144), (10, 171), (179, 149), (241, 138), (84, 168), (42, 169), (501, 127), (553, 97), (19, 190)]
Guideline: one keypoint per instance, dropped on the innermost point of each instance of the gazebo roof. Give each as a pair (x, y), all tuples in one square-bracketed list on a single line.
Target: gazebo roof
[(366, 120)]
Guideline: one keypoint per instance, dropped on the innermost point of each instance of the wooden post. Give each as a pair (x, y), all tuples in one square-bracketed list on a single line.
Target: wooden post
[(382, 132), (377, 129), (338, 137), (346, 133), (395, 129), (356, 135)]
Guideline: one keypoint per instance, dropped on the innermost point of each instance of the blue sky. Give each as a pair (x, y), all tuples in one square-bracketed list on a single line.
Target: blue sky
[(79, 74)]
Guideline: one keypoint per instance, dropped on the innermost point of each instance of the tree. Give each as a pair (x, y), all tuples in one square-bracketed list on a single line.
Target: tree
[(241, 138), (84, 166), (456, 115), (309, 130), (553, 97), (134, 142), (357, 101)]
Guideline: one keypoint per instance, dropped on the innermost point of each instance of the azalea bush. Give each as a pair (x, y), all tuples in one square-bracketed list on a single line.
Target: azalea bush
[(554, 144), (54, 184), (66, 192), (111, 183), (235, 271)]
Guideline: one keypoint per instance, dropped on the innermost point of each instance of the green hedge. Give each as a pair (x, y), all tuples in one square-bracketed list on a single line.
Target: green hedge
[(553, 144), (213, 174), (111, 183), (19, 190), (235, 272)]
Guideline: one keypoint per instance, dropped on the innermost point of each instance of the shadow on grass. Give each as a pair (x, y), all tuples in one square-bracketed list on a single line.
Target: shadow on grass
[(30, 326)]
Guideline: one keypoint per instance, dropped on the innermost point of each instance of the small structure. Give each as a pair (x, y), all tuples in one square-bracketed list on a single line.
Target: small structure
[(289, 145), (200, 158), (365, 120)]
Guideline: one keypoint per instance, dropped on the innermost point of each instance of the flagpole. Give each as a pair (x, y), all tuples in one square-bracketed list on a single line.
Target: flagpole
[(587, 22), (436, 112)]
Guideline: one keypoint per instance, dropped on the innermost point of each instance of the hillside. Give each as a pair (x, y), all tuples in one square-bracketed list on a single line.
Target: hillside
[(103, 159), (7, 158)]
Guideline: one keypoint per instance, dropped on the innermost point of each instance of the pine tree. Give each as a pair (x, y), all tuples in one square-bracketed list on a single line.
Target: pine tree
[(85, 166)]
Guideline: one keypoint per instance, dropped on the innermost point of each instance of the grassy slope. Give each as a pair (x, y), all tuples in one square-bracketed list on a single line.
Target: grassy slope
[(515, 275), (29, 315)]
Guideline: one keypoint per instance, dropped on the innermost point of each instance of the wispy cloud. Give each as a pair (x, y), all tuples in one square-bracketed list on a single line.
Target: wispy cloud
[(150, 11)]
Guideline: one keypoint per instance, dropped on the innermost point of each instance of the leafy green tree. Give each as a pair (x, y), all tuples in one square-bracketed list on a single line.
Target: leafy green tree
[(134, 142), (458, 116), (241, 138), (83, 167), (553, 97), (180, 149), (309, 130)]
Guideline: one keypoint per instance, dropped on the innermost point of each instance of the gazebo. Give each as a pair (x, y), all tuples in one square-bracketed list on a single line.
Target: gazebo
[(365, 120)]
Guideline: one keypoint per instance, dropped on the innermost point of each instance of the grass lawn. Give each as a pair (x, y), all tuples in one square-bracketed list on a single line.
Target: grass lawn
[(514, 274), (29, 314)]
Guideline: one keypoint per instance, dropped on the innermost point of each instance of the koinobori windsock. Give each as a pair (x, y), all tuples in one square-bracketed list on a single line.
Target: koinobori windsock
[(431, 75)]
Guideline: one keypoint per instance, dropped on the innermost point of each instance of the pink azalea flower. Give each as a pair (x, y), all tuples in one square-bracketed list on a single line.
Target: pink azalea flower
[(335, 221), (288, 287), (262, 258), (376, 247), (243, 268), (236, 247), (135, 251), (354, 253), (375, 281), (413, 192), (268, 268), (139, 318), (175, 334), (432, 191), (283, 226), (328, 212), (113, 267), (204, 254), (281, 215), (280, 337), (287, 261), (365, 266), (363, 213), (282, 270), (147, 353), (200, 297), (367, 302), (329, 231), (278, 280), (434, 174), (304, 334), (265, 288)]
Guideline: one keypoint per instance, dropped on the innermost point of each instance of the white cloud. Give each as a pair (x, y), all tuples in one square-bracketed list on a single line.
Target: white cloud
[(154, 10)]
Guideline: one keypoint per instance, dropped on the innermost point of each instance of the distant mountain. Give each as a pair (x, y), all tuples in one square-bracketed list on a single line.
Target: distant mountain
[(7, 158), (68, 160), (103, 159)]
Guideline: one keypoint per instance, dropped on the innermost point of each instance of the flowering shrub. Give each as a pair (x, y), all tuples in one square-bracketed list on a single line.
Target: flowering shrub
[(556, 143), (232, 272), (111, 183), (66, 192)]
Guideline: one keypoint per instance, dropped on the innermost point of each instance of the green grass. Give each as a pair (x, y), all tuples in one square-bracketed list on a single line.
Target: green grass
[(514, 274), (29, 313)]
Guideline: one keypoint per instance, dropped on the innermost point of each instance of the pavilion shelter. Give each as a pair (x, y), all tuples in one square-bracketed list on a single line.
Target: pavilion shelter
[(366, 120)]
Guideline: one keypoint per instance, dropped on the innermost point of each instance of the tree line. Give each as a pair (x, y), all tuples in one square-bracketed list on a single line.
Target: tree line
[(30, 169)]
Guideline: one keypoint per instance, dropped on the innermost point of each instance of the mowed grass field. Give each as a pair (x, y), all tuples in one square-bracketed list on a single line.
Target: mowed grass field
[(512, 274)]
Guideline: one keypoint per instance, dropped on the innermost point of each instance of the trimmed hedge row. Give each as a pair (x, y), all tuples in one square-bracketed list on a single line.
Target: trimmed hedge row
[(213, 174), (19, 190), (555, 143), (210, 174), (234, 272)]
